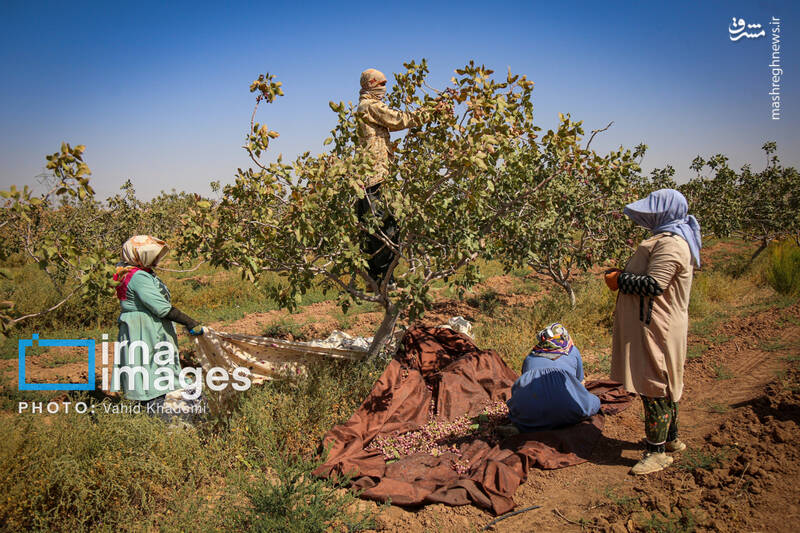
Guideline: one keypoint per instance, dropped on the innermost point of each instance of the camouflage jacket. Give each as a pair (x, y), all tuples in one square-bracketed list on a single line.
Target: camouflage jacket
[(374, 122)]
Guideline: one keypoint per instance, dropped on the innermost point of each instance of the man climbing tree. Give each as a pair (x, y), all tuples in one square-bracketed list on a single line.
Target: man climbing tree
[(374, 121)]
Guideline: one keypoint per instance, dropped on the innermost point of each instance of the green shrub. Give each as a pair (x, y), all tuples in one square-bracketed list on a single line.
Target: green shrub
[(294, 415), (627, 504), (602, 365), (85, 472), (298, 502), (33, 291), (275, 434), (283, 328), (701, 459), (721, 372), (696, 350), (488, 302), (682, 521), (104, 471), (783, 268)]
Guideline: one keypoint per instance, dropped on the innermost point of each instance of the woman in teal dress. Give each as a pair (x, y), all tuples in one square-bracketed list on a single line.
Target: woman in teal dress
[(148, 366)]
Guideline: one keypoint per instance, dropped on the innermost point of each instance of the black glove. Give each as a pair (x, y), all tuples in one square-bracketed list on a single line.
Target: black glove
[(176, 315)]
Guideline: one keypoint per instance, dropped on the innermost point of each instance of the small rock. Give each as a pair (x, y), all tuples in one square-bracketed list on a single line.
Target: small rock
[(661, 502), (713, 496), (690, 499), (617, 527), (639, 519), (717, 439), (721, 473), (704, 478), (781, 435), (727, 505), (601, 523), (702, 518)]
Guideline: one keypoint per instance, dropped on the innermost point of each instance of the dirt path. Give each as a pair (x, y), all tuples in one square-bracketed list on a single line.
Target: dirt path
[(727, 417)]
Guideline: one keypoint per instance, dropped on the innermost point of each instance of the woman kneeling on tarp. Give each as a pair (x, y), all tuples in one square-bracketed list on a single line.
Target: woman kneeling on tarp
[(148, 366), (550, 391)]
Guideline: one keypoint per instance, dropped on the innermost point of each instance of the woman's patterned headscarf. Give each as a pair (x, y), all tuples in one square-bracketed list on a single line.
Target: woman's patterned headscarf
[(143, 251), (140, 252), (553, 342), (373, 84)]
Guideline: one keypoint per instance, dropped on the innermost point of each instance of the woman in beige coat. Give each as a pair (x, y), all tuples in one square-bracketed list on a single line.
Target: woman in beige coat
[(652, 317)]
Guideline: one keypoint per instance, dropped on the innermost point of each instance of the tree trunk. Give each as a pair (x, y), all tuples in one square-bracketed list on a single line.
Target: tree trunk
[(384, 332), (761, 248), (567, 286)]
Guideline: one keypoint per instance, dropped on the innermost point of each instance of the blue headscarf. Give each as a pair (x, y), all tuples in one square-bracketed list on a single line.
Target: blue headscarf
[(666, 210)]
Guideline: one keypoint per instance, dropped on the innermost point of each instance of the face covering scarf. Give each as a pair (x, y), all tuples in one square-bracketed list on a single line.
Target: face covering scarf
[(373, 84)]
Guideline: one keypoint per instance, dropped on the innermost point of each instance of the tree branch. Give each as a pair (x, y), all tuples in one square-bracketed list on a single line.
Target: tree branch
[(595, 132), (53, 308), (198, 265)]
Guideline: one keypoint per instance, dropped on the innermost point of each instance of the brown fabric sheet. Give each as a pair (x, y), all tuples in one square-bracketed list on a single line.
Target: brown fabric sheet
[(444, 366)]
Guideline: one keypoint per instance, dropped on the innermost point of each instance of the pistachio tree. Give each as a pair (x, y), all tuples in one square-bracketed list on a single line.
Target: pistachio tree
[(449, 186), (453, 181), (759, 206), (57, 230), (575, 221), (75, 238)]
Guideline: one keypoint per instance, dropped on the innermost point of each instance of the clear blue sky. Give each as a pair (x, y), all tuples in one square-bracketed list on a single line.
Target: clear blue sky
[(158, 91)]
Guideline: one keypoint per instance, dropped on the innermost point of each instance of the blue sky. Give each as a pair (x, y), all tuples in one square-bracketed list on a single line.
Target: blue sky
[(158, 91)]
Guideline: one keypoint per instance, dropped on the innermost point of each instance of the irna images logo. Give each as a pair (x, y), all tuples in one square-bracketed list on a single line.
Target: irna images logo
[(24, 344)]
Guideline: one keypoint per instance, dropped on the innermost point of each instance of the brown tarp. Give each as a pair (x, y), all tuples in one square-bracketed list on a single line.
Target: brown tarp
[(440, 365)]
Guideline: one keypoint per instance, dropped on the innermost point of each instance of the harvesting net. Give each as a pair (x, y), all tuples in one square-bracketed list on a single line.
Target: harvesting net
[(269, 358)]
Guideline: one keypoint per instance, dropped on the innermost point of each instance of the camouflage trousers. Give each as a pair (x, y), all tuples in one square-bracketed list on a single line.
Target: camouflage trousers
[(660, 421), (380, 256)]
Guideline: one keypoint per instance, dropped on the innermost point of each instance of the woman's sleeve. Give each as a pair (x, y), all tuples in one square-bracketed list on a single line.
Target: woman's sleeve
[(669, 256), (149, 293), (579, 370), (586, 403), (392, 119), (667, 259)]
